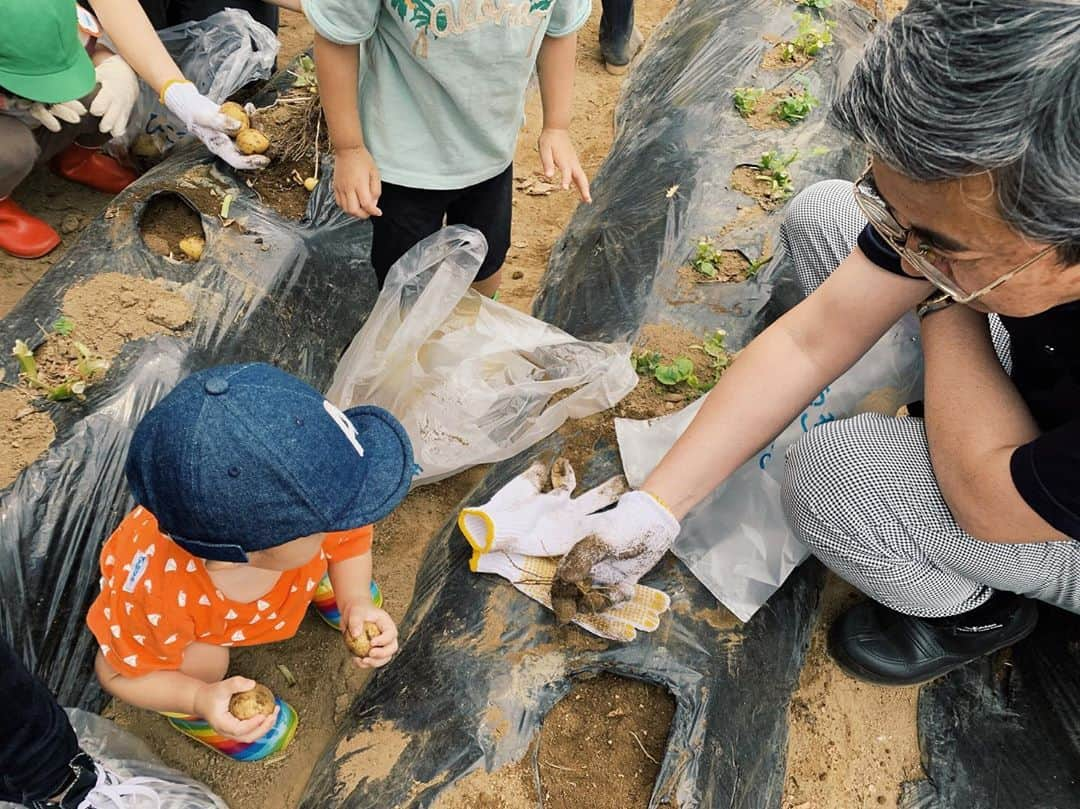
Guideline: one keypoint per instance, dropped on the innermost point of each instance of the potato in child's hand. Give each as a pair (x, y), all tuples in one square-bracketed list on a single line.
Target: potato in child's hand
[(246, 704), (361, 646)]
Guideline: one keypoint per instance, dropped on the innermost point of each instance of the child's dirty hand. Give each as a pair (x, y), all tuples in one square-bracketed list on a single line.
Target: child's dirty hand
[(383, 645), (557, 152), (212, 704), (357, 186)]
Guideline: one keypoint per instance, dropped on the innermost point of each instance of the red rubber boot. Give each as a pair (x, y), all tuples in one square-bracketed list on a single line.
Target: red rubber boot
[(23, 235), (90, 167)]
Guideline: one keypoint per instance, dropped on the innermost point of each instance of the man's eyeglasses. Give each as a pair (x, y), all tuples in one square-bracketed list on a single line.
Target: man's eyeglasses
[(887, 226)]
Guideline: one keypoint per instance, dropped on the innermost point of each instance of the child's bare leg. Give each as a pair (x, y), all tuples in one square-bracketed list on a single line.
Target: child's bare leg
[(490, 285), (205, 662)]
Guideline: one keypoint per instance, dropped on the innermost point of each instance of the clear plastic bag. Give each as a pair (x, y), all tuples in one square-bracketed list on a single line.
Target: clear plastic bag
[(130, 757), (737, 542), (471, 379), (219, 55)]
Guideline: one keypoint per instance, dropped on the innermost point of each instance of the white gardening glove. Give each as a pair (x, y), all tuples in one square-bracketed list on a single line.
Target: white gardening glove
[(203, 119), (522, 518), (116, 96), (533, 576), (620, 546), (53, 116)]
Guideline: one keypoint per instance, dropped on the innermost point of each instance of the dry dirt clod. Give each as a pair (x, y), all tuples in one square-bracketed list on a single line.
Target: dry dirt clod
[(70, 224), (246, 704), (517, 275), (172, 313), (361, 646)]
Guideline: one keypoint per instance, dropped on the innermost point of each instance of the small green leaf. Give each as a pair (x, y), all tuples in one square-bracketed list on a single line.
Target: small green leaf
[(63, 325), (667, 375), (684, 366)]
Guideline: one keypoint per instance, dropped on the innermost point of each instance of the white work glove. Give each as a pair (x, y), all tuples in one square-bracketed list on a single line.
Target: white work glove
[(519, 532), (53, 116), (620, 546), (203, 119), (533, 576), (522, 518), (116, 96)]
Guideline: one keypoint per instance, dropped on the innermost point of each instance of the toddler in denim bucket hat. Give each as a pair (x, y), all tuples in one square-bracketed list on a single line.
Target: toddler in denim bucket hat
[(255, 499)]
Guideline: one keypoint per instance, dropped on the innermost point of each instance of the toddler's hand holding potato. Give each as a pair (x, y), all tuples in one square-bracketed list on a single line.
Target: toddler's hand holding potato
[(212, 704), (370, 635)]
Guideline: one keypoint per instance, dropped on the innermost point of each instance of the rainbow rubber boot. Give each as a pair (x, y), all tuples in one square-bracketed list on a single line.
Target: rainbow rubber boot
[(275, 740), (326, 604)]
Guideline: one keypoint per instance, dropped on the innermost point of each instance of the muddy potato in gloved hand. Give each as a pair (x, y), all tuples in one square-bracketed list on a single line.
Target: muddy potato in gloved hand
[(620, 547)]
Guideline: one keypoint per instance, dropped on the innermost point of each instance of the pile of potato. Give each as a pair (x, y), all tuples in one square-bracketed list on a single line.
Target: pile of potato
[(248, 139)]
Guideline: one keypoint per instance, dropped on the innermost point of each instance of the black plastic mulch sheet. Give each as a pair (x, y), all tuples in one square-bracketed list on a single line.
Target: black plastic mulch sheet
[(481, 664), (1004, 732), (289, 293)]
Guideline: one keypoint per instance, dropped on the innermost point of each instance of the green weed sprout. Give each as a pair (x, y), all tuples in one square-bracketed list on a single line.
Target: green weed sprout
[(795, 107), (773, 169), (810, 41), (746, 99), (706, 260), (818, 4), (87, 367), (27, 364), (304, 74)]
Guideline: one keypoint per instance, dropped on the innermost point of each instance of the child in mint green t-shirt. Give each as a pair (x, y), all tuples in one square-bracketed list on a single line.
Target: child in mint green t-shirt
[(431, 133)]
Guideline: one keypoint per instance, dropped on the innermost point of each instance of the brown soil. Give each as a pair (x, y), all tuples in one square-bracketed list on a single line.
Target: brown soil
[(731, 269), (772, 59), (369, 754), (167, 220), (600, 746), (294, 35), (744, 179), (108, 310), (850, 744), (762, 117), (888, 8), (45, 195), (27, 432)]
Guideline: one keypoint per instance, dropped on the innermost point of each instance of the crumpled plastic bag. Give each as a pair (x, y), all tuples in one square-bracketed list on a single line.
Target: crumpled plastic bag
[(471, 380), (737, 542), (219, 55), (130, 757)]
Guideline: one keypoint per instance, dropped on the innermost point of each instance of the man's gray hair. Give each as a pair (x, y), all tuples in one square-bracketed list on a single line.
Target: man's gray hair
[(957, 87)]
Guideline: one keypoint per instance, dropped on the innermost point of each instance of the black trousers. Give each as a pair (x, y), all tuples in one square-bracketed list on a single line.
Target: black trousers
[(36, 739)]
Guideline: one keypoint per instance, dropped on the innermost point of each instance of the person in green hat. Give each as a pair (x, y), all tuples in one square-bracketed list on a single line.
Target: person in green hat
[(54, 70)]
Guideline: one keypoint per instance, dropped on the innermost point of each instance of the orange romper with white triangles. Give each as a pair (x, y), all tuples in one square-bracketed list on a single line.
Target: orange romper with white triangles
[(157, 599)]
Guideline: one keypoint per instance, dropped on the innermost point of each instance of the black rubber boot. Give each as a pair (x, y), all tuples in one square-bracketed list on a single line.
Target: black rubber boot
[(873, 643), (619, 39)]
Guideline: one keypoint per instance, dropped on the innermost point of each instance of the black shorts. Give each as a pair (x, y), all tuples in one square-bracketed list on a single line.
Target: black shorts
[(410, 215)]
